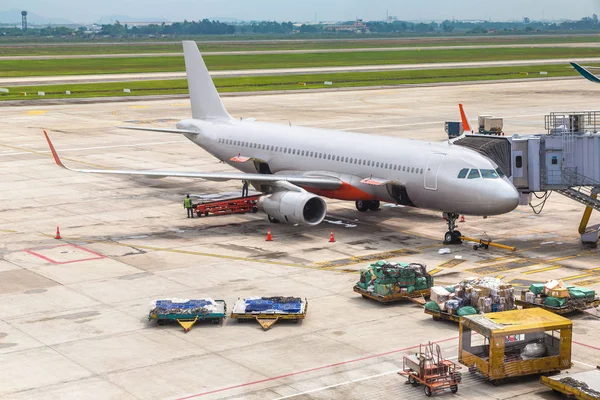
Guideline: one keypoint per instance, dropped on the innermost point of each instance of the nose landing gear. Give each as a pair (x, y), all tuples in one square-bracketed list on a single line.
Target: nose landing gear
[(452, 236)]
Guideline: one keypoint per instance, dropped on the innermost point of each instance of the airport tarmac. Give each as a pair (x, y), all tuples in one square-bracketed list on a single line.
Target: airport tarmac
[(73, 315)]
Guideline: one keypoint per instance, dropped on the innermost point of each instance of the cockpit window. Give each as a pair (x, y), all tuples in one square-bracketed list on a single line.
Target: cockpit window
[(499, 172), (489, 174), (463, 173), (474, 174)]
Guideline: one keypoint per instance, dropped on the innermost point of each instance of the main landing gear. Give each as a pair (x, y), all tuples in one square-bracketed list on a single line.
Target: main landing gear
[(452, 236), (364, 205)]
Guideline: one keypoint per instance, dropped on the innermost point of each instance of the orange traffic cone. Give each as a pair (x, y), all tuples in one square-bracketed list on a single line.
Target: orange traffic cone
[(269, 237), (57, 233), (331, 237), (462, 219)]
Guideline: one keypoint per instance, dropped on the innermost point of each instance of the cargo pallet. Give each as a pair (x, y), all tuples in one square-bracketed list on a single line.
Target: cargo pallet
[(236, 205), (442, 316), (187, 321), (418, 296), (569, 307), (266, 319), (590, 378)]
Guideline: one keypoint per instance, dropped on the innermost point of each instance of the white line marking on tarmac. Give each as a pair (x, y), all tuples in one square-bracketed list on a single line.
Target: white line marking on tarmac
[(582, 363), (336, 385), (346, 383), (15, 153)]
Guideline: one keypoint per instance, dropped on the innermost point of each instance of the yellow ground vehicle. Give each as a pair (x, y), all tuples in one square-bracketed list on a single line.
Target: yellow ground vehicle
[(515, 343)]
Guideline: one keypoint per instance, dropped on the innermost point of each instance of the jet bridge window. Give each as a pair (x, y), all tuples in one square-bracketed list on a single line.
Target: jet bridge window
[(489, 174), (463, 173), (474, 174), (519, 162)]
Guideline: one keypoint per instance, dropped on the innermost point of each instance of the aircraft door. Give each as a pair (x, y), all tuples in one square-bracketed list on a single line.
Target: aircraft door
[(554, 167), (432, 170)]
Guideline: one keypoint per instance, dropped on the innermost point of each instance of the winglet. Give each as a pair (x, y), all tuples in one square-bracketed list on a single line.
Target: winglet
[(465, 120), (585, 73), (54, 153)]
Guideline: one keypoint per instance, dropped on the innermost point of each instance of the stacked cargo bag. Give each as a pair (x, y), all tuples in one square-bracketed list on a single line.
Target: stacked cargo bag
[(474, 295), (387, 278)]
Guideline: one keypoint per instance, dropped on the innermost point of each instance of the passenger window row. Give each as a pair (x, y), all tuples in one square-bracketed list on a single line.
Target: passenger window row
[(480, 173), (306, 153)]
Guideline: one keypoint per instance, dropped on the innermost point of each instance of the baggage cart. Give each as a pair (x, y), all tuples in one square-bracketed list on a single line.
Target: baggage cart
[(417, 296), (429, 369), (187, 320), (442, 315), (267, 319), (234, 205), (571, 306), (515, 343), (581, 385)]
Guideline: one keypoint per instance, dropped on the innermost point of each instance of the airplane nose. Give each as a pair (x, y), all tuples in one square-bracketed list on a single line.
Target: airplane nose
[(506, 199)]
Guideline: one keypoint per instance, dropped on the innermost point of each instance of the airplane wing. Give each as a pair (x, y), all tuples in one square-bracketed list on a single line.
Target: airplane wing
[(585, 73), (316, 181), (141, 128)]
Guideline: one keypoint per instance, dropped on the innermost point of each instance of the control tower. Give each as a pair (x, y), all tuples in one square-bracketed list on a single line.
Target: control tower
[(24, 20)]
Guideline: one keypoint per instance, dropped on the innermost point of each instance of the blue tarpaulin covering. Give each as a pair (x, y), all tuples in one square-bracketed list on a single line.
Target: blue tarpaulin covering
[(288, 305)]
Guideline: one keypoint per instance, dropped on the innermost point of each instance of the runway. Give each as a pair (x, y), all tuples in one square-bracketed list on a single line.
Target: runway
[(46, 80), (305, 51)]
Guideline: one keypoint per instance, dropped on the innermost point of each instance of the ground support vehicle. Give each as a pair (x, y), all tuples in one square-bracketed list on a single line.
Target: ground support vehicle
[(442, 315), (570, 306), (417, 296), (429, 369), (581, 386), (188, 319), (236, 205), (267, 319), (515, 343)]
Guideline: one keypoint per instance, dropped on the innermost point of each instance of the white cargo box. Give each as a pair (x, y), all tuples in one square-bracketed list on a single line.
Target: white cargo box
[(481, 120), (493, 124)]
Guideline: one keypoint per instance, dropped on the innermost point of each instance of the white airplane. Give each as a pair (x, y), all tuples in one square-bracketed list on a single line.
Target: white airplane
[(296, 166)]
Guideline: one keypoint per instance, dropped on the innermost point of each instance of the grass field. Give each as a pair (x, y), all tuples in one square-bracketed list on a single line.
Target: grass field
[(31, 49), (289, 82), (20, 68)]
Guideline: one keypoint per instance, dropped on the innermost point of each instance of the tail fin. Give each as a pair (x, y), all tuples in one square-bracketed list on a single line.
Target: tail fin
[(206, 103), (585, 73), (464, 119)]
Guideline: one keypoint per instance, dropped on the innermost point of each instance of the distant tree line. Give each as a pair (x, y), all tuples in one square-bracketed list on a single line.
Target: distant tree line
[(208, 27)]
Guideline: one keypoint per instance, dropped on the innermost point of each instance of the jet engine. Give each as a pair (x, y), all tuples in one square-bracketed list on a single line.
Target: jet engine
[(294, 207)]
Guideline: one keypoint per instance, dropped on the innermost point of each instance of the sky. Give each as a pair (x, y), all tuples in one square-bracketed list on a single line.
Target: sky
[(85, 11)]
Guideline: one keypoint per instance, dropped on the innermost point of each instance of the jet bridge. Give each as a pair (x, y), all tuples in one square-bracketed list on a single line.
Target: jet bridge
[(564, 159)]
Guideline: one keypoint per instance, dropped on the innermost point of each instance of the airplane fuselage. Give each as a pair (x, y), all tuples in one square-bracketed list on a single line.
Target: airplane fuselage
[(418, 173)]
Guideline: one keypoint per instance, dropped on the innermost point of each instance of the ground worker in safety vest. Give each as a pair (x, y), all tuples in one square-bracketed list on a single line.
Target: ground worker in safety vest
[(187, 204)]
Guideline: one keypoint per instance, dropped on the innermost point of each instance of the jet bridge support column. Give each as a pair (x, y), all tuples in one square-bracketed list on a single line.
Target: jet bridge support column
[(589, 235)]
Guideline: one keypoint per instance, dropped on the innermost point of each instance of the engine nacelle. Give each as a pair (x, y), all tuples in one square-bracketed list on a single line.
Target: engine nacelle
[(294, 207)]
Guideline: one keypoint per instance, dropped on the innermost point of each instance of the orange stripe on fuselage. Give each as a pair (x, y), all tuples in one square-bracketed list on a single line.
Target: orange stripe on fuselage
[(344, 192)]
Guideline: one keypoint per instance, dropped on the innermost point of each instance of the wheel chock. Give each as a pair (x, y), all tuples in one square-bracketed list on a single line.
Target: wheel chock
[(187, 324), (267, 323)]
